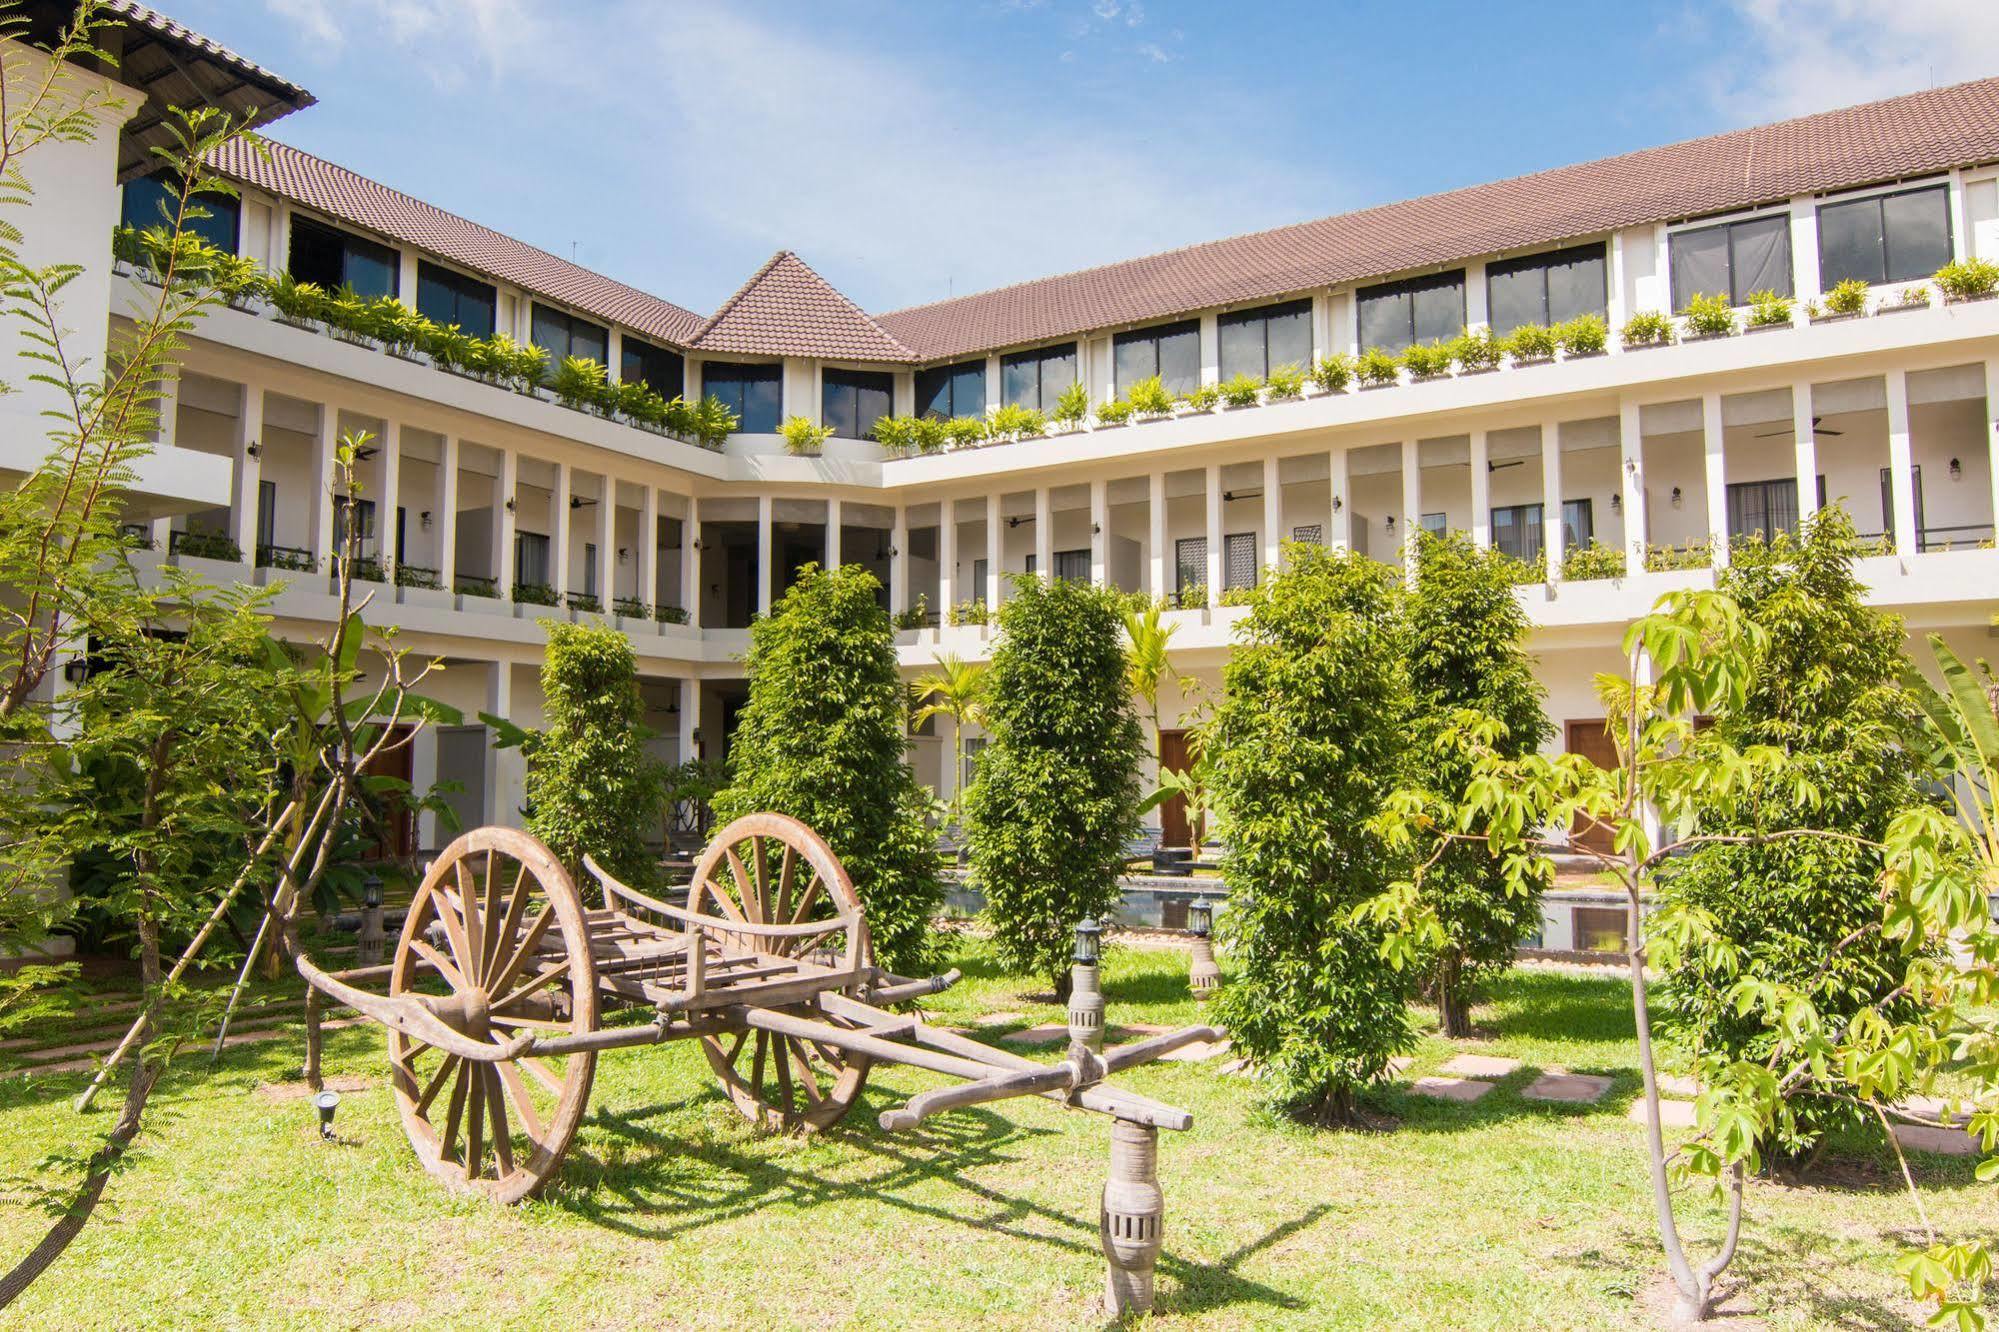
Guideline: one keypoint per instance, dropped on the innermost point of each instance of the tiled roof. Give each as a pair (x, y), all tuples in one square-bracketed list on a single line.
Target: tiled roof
[(340, 193), (786, 309), (1881, 141)]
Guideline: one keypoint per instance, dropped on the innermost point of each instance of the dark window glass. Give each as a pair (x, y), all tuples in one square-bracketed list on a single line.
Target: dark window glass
[(662, 370), (1255, 342), (560, 334), (334, 259), (1578, 524), (1732, 259), (445, 297), (1545, 288), (1426, 309), (531, 558), (1190, 563), (945, 391), (851, 401), (1436, 524), (752, 392), (1762, 508), (1886, 238), (1171, 351), (1037, 378), (1073, 566), (1517, 531), (1238, 560), (152, 201)]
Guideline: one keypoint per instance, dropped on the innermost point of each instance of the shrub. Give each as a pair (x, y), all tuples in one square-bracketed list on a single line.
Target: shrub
[(1968, 279), (580, 382), (1848, 296), (898, 434), (1241, 390), (1306, 743), (711, 422), (1193, 596), (1596, 560), (298, 300), (632, 608), (1427, 360), (670, 614), (1286, 381), (590, 785), (824, 739), (1333, 373), (1709, 316), (802, 438), (1694, 555), (1376, 367), (963, 432), (1013, 421), (1114, 413), (1468, 657), (1585, 335), (206, 545), (1203, 398), (969, 612), (1148, 397), (1531, 342), (1767, 309), (1913, 296), (1647, 328), (1477, 349), (1072, 408), (1056, 795), (535, 594)]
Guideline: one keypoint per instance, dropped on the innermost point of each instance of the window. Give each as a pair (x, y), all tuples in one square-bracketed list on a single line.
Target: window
[(1884, 238), (1037, 378), (945, 391), (1762, 508), (1190, 565), (1073, 566), (1310, 532), (1238, 560), (1545, 288), (1519, 530), (1600, 929), (445, 297), (333, 259), (1578, 524), (660, 370), (851, 401), (361, 514), (531, 559), (978, 580), (1425, 309), (1732, 259), (151, 200), (589, 568), (1255, 342), (560, 334), (1888, 504), (1170, 351), (267, 512), (752, 392), (1436, 524)]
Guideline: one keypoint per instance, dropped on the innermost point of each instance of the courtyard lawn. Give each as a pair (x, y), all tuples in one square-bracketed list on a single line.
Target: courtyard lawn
[(670, 1212)]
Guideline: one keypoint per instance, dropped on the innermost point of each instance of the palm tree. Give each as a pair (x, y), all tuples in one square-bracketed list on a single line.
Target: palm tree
[(1146, 666), (956, 689)]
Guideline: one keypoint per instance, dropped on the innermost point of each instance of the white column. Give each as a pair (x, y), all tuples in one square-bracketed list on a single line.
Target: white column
[(992, 384), (505, 522), (1339, 513), (645, 549), (504, 767), (389, 498), (558, 507), (1100, 533), (1808, 448), (1805, 249), (607, 539), (1992, 433), (249, 472), (690, 715), (1214, 479), (1044, 535), (898, 562), (320, 528), (765, 507), (1155, 524), (833, 533), (1901, 462), (423, 776), (1637, 518), (1211, 349), (1551, 499), (1717, 477), (1412, 505), (445, 515), (1481, 490), (947, 560), (995, 549), (690, 563), (1273, 517)]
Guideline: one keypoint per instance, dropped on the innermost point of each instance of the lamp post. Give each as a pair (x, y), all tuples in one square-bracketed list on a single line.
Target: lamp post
[(1203, 976), (368, 940), (1086, 995)]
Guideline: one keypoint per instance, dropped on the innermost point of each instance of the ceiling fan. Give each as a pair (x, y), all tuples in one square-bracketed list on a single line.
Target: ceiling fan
[(1817, 429)]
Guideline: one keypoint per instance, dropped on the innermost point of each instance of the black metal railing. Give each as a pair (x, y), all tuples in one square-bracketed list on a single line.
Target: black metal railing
[(475, 585), (297, 559)]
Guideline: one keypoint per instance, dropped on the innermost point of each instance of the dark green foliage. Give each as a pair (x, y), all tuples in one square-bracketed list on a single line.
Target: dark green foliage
[(1309, 740), (1467, 653), (1827, 690), (591, 786), (824, 739), (1056, 795)]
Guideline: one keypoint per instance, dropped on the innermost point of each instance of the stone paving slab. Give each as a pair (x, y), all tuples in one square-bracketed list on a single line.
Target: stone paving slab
[(1678, 1084), (1480, 1066), (1672, 1114), (1451, 1089), (999, 1019), (1569, 1088), (1933, 1107), (1400, 1065), (1938, 1141)]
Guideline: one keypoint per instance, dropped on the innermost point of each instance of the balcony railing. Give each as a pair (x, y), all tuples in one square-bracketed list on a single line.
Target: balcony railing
[(297, 559), (203, 546), (475, 585)]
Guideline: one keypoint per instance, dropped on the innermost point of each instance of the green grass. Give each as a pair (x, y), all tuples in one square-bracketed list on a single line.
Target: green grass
[(670, 1212)]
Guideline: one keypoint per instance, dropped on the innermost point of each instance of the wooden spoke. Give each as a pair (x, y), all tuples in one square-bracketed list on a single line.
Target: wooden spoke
[(436, 1083), (517, 1091), (444, 965), (541, 980), (786, 873), (468, 909), (541, 1073), (526, 948), (454, 932), (799, 917), (745, 894), (806, 1080), (503, 1146), (722, 899), (457, 1111), (489, 914), (475, 1123)]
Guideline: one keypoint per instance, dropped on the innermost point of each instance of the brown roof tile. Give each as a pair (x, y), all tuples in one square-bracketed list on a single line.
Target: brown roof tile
[(786, 309), (1904, 136), (340, 193)]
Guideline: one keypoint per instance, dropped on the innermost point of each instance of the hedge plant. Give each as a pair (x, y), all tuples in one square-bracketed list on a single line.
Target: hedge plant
[(1056, 796), (824, 739)]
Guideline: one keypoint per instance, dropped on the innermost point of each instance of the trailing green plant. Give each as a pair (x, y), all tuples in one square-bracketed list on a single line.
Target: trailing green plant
[(1427, 360), (1055, 798), (1149, 397), (1968, 279), (1647, 328), (1114, 413), (1191, 596), (1709, 316), (824, 739), (1203, 397), (1072, 406), (1285, 381), (1333, 373), (1531, 342), (1376, 367), (1477, 349), (1768, 310), (914, 617), (1240, 390), (670, 614), (1694, 554), (1585, 335), (583, 601), (802, 437), (1012, 421), (1307, 742), (1596, 560), (1847, 297)]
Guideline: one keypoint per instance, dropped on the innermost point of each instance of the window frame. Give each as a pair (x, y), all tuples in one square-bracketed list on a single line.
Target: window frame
[(218, 206), (1263, 314), (1044, 400), (1540, 261), (1154, 335), (538, 309), (456, 280), (1878, 198), (952, 372), (630, 346), (768, 372), (1728, 223), (350, 242), (1183, 547), (832, 377), (1409, 287)]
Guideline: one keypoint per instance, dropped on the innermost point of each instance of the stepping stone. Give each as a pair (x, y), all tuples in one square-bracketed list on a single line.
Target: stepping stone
[(1481, 1066), (1042, 1035), (1400, 1065), (1451, 1089), (1571, 1088), (1678, 1084), (1197, 1051), (1933, 1107), (999, 1019), (1672, 1114), (1240, 1068), (1938, 1141)]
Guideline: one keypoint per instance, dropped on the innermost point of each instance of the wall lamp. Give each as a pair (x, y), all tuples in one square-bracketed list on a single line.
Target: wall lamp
[(76, 670), (1616, 503), (1338, 504), (1676, 497), (1391, 524), (1956, 470), (254, 449), (423, 520), (1019, 519), (624, 555), (510, 504)]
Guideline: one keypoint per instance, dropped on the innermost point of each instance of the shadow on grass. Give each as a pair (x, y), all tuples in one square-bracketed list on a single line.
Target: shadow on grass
[(1555, 1006)]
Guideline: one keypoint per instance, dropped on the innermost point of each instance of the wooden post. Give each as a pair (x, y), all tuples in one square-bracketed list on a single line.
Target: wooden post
[(1131, 1225)]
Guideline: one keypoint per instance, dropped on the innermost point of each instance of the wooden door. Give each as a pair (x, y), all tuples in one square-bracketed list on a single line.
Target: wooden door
[(398, 840), (1591, 739), (1173, 828)]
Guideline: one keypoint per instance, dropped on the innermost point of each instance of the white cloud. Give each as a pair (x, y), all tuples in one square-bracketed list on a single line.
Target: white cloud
[(1812, 55), (460, 38)]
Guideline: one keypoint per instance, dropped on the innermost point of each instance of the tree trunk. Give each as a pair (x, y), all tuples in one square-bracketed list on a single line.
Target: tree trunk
[(1063, 981), (1453, 1013)]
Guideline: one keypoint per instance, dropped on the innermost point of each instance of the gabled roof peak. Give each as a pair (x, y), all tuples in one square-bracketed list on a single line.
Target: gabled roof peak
[(787, 309)]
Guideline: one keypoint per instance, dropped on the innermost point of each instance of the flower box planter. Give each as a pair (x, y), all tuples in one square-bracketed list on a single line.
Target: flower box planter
[(1430, 378), (299, 322), (1465, 371), (479, 605), (410, 354), (1836, 316), (1526, 362), (1903, 307), (1647, 346), (1769, 328), (1967, 300), (1382, 384), (436, 598), (220, 572), (1585, 355), (352, 338), (1705, 337)]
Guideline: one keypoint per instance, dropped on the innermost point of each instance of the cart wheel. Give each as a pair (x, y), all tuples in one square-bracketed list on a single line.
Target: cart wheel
[(501, 924), (770, 868)]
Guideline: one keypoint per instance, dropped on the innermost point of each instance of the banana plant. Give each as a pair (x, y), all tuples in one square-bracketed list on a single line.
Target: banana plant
[(1963, 729)]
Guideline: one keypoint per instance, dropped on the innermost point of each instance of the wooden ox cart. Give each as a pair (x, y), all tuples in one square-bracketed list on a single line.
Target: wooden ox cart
[(502, 982)]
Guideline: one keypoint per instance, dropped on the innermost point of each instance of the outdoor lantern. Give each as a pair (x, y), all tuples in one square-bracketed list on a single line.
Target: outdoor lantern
[(76, 670), (1086, 994), (1956, 470), (1200, 917), (1089, 937), (371, 892), (326, 1103), (1676, 497), (1203, 976)]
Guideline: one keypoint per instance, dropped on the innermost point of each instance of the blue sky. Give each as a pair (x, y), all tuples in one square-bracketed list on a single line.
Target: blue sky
[(912, 151)]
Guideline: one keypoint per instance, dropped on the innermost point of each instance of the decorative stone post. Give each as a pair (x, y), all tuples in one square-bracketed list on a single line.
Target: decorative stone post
[(1203, 976), (368, 945), (1131, 1226), (1086, 995)]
